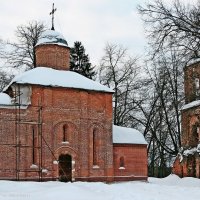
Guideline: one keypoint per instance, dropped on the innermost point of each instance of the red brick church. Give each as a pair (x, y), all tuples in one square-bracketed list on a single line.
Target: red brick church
[(56, 124), (187, 162)]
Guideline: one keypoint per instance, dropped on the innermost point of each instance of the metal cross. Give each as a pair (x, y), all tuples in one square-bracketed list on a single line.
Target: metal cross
[(52, 13)]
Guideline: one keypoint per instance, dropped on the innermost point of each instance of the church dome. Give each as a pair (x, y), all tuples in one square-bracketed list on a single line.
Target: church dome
[(52, 51), (52, 37)]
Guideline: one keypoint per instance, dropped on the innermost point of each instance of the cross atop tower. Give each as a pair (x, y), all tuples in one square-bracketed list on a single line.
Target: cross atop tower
[(52, 13)]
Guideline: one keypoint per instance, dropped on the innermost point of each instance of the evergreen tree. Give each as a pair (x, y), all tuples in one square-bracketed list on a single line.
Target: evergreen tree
[(79, 61)]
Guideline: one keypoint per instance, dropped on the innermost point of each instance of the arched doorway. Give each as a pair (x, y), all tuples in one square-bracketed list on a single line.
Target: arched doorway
[(65, 168)]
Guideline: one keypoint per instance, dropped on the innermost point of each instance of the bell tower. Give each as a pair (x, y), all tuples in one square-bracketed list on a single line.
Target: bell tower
[(52, 49), (192, 82)]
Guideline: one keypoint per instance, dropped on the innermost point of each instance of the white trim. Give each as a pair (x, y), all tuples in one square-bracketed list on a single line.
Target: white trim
[(122, 168)]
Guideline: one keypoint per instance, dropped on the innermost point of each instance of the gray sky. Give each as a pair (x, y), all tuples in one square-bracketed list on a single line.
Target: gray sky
[(93, 22)]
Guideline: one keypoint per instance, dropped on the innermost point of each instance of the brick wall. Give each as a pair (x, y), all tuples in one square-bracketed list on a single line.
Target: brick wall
[(190, 123), (135, 162), (188, 167), (190, 131), (53, 56), (81, 111), (177, 167), (191, 73)]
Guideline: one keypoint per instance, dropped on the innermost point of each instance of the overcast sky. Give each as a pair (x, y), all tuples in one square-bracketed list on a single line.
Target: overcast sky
[(93, 22)]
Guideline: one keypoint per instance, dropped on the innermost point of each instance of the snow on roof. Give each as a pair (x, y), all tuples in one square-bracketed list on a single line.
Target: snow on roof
[(193, 61), (52, 37), (5, 99), (127, 136), (191, 105), (58, 78), (191, 151)]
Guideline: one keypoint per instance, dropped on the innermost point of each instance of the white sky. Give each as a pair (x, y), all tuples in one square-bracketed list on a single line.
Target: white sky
[(93, 22)]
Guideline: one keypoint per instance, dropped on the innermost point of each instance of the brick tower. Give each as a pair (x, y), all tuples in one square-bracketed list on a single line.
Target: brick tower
[(52, 51), (187, 162)]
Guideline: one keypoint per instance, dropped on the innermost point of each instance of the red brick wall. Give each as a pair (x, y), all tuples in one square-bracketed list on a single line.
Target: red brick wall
[(135, 161), (189, 167), (190, 117), (198, 167), (190, 134), (190, 122), (82, 111), (53, 56), (177, 167), (190, 73)]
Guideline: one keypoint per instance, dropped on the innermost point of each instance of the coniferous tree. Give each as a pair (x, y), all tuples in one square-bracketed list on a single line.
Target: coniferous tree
[(79, 61)]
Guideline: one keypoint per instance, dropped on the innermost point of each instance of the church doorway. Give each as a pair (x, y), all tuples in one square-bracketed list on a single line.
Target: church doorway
[(65, 168)]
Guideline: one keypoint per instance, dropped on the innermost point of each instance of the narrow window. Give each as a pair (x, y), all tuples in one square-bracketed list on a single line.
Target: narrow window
[(198, 133), (33, 145), (65, 133), (121, 162), (197, 89), (95, 162), (195, 135), (197, 83)]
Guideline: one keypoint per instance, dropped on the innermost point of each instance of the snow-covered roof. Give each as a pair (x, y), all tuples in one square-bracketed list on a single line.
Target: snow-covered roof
[(5, 99), (191, 105), (52, 37), (191, 151), (122, 135), (58, 78), (193, 61)]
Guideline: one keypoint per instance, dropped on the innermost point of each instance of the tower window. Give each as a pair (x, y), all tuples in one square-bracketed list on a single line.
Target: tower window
[(197, 83), (198, 133), (65, 128), (197, 89), (195, 135)]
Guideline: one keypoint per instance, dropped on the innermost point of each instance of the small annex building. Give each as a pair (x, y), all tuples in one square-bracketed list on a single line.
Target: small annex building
[(56, 124)]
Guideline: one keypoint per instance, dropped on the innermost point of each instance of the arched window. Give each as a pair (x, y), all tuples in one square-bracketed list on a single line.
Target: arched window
[(95, 147), (198, 133), (65, 128), (195, 134), (197, 83), (197, 87), (121, 161)]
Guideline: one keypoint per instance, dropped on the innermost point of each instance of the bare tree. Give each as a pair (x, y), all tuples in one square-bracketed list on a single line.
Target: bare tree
[(120, 72), (174, 38), (22, 52), (5, 78), (161, 99), (173, 25)]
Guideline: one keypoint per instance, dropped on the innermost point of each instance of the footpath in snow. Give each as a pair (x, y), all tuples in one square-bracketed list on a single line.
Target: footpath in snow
[(169, 188)]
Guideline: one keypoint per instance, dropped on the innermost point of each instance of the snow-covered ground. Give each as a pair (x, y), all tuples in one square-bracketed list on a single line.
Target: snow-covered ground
[(170, 188)]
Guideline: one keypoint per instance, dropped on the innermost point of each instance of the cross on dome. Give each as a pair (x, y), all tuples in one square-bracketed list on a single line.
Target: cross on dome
[(52, 13)]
